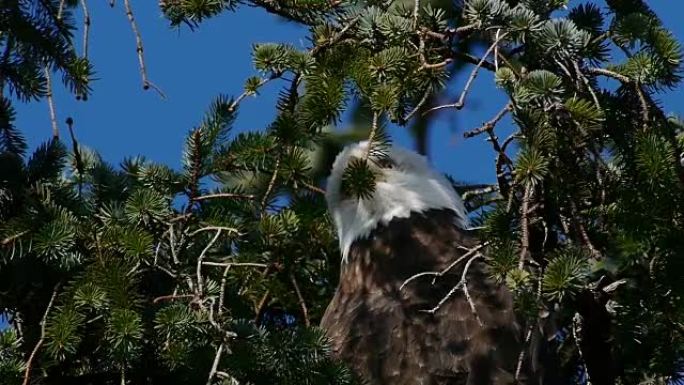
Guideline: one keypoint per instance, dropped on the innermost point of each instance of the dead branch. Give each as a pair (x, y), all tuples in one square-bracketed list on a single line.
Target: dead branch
[(236, 264), (173, 297), (224, 195), (51, 103), (43, 323), (463, 285), (86, 27), (473, 74), (214, 365), (300, 298), (215, 228), (139, 49), (437, 274), (489, 125), (525, 227), (271, 183), (418, 106), (200, 259)]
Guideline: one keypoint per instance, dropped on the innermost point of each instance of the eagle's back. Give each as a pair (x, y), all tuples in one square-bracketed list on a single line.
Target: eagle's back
[(385, 333)]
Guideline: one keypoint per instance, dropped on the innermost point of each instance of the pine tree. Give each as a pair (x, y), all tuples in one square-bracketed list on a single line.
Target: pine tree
[(218, 272)]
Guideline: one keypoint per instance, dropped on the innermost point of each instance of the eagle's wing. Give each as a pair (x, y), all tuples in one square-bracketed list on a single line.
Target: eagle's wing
[(387, 332)]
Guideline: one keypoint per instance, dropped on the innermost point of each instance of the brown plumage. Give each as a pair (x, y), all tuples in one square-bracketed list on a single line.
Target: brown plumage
[(385, 333)]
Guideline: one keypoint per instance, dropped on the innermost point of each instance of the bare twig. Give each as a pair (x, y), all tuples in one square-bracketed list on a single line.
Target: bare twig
[(271, 183), (525, 226), (587, 83), (214, 365), (418, 106), (173, 297), (60, 9), (222, 292), (51, 103), (479, 191), (576, 334), (43, 323), (610, 74), (247, 93), (645, 116), (224, 195), (371, 135), (139, 49), (236, 264), (14, 237), (311, 187), (437, 274), (336, 38), (489, 125), (473, 74), (300, 298), (86, 27), (432, 66), (463, 285), (583, 231), (200, 259), (215, 228)]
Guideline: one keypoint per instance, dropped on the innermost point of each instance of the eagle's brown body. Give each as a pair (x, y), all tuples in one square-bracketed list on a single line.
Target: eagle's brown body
[(386, 334)]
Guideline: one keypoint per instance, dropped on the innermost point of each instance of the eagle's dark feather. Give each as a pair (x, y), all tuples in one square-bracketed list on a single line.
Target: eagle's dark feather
[(385, 333)]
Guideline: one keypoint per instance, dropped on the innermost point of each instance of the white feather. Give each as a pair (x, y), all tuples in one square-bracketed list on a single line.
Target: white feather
[(411, 186)]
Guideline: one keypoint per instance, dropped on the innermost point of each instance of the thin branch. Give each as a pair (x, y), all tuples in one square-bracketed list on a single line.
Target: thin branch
[(271, 183), (418, 106), (442, 64), (214, 365), (525, 227), (587, 83), (43, 323), (139, 49), (576, 334), (222, 292), (300, 298), (583, 231), (473, 74), (236, 264), (479, 191), (610, 74), (51, 103), (338, 36), (224, 195), (463, 285), (173, 297), (14, 237), (489, 125), (311, 187), (247, 93), (200, 260), (645, 116), (86, 28), (215, 228), (437, 274)]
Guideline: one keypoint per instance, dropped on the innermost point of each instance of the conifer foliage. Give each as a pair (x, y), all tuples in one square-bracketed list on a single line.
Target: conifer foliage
[(217, 273)]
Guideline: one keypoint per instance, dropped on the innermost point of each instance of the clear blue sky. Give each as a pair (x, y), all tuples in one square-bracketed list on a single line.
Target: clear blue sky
[(120, 119)]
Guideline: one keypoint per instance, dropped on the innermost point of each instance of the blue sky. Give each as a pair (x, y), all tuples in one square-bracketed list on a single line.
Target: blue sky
[(120, 119)]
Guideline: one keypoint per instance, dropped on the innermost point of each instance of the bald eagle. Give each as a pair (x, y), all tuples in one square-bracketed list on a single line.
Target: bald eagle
[(392, 320)]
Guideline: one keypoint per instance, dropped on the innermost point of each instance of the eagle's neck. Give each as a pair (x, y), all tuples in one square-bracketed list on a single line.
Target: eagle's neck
[(403, 247), (397, 195)]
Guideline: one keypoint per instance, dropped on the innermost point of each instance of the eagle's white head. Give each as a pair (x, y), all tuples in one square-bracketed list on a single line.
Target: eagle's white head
[(405, 184)]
